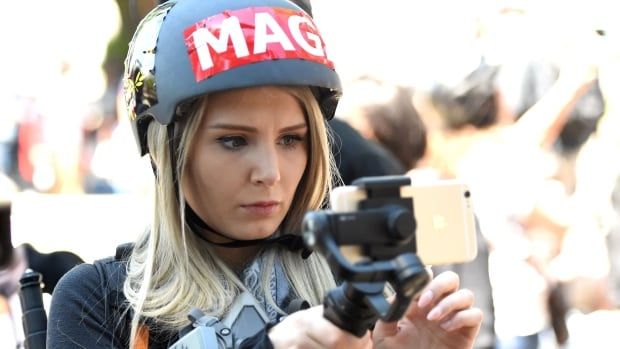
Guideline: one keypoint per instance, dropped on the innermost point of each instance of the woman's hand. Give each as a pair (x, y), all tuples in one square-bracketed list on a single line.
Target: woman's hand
[(309, 329), (443, 317)]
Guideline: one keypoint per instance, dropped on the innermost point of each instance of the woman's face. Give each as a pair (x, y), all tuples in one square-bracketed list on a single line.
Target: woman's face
[(248, 156)]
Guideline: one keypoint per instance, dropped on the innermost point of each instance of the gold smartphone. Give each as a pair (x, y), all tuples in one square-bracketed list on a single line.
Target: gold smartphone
[(446, 227)]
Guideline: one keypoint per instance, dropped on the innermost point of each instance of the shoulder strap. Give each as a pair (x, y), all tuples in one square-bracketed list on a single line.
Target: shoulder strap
[(123, 251), (142, 338)]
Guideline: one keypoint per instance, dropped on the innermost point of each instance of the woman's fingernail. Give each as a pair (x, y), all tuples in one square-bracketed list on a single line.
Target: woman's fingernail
[(425, 299), (433, 315)]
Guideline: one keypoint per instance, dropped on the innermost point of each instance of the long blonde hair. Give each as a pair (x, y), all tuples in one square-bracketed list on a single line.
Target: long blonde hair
[(172, 270)]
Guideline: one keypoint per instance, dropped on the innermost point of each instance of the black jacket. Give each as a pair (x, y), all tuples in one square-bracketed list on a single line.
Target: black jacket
[(89, 310), (358, 157)]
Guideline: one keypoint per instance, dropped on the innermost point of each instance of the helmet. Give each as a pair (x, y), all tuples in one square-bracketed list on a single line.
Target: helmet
[(187, 48)]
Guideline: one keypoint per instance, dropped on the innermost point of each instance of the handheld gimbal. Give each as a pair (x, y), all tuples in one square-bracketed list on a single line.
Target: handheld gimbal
[(384, 228)]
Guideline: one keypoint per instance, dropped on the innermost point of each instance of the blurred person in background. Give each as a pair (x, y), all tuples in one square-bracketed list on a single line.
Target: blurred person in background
[(530, 54), (249, 156), (70, 81), (507, 166), (605, 141), (590, 249), (589, 282), (587, 262), (383, 112)]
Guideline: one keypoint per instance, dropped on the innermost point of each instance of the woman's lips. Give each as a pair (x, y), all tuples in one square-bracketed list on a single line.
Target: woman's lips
[(262, 208)]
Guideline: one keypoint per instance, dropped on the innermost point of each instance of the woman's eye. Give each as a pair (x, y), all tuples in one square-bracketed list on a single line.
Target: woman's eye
[(290, 141), (232, 142)]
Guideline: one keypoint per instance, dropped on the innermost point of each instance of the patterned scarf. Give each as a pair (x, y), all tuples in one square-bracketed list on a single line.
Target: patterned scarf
[(278, 285)]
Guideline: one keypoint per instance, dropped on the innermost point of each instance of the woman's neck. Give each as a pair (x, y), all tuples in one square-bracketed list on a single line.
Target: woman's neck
[(236, 258)]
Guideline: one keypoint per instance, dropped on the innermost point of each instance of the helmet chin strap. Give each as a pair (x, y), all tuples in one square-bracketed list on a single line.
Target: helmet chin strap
[(200, 228)]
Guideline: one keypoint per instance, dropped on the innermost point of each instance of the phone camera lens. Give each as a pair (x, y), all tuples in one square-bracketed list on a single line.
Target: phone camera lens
[(467, 194)]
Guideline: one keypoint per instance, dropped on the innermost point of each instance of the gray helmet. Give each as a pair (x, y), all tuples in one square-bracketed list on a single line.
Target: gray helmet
[(187, 48)]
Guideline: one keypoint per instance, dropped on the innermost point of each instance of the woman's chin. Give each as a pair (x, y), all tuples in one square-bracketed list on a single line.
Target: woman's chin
[(256, 232)]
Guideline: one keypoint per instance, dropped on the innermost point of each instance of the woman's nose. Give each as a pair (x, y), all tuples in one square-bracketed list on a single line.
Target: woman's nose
[(266, 169)]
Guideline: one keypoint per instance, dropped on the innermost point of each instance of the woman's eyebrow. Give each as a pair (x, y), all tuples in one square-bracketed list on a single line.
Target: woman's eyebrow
[(294, 127), (226, 126), (233, 127)]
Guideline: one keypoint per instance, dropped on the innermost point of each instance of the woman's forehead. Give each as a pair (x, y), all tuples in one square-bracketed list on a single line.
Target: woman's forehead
[(254, 105), (251, 93)]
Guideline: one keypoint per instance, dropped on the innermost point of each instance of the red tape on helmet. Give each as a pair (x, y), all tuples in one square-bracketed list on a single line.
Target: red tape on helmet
[(236, 38)]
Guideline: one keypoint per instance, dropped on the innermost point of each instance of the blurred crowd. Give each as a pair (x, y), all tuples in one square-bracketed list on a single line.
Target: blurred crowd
[(520, 99)]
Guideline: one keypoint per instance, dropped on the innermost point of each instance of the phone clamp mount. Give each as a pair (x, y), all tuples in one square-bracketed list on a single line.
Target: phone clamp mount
[(383, 227)]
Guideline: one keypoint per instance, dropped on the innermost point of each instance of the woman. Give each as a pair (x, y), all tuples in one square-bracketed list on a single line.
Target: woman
[(238, 93)]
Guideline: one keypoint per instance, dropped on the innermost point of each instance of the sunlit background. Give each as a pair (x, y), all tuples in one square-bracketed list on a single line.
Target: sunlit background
[(78, 183)]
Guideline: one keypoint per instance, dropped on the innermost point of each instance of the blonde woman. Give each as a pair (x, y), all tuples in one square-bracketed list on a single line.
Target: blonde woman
[(229, 99)]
